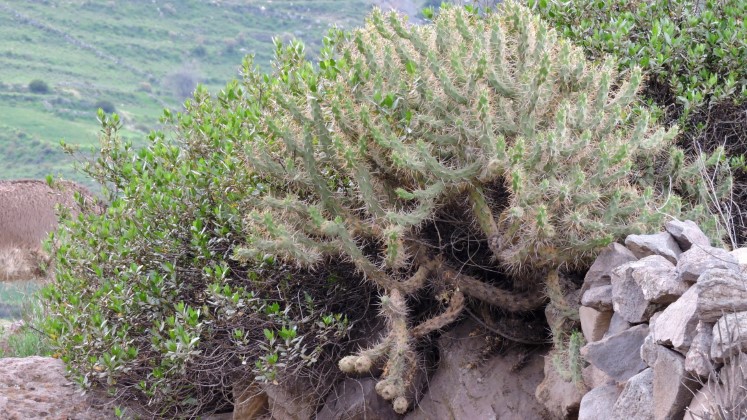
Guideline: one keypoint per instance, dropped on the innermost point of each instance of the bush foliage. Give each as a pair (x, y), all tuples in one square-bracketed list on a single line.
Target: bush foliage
[(693, 53), (38, 86), (420, 162)]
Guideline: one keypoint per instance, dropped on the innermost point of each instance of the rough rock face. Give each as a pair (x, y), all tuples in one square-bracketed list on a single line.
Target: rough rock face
[(700, 325), (35, 387), (686, 234), (464, 387), (618, 355), (356, 399), (657, 244)]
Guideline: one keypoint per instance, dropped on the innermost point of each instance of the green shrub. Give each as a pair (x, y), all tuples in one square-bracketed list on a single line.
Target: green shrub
[(696, 64), (105, 105), (407, 162), (147, 300), (38, 86), (693, 47)]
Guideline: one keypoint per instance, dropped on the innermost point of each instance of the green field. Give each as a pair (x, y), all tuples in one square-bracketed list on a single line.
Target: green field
[(140, 55)]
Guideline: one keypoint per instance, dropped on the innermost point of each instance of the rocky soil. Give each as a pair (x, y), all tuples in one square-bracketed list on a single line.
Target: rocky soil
[(36, 388)]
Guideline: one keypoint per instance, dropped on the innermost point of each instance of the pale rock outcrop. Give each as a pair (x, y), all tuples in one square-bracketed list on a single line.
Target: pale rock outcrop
[(699, 259), (657, 278), (599, 298), (619, 355), (720, 291), (599, 274), (617, 325), (627, 296), (673, 387), (687, 234), (657, 244), (356, 399), (594, 323), (561, 398), (729, 336), (35, 387), (676, 325), (499, 387), (698, 360), (597, 403), (637, 398)]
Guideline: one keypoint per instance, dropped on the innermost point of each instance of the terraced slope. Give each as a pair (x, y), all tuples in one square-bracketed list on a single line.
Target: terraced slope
[(138, 55)]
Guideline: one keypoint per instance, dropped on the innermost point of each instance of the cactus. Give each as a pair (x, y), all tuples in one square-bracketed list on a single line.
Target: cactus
[(400, 122)]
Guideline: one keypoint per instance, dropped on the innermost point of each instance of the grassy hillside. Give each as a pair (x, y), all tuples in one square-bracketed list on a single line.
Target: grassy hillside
[(139, 55)]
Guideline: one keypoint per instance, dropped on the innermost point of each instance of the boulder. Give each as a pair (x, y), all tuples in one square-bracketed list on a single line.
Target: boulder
[(561, 398), (740, 254), (627, 296), (614, 255), (699, 259), (673, 386), (290, 402), (35, 387), (698, 360), (636, 400), (356, 399), (729, 336), (676, 325), (250, 401), (657, 244), (599, 298), (686, 234), (501, 386), (617, 325), (701, 406), (720, 291), (597, 403), (594, 323), (657, 278), (650, 350), (594, 377), (619, 356)]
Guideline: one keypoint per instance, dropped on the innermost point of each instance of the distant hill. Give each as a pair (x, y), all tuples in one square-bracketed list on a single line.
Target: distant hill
[(136, 57)]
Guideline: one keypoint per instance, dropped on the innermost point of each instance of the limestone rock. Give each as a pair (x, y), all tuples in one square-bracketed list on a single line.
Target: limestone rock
[(636, 400), (701, 406), (686, 234), (597, 403), (609, 258), (650, 350), (356, 399), (619, 355), (698, 259), (727, 393), (290, 403), (617, 325), (594, 377), (599, 298), (673, 387), (657, 244), (676, 325), (740, 254), (35, 387), (698, 359), (720, 291), (729, 336), (561, 398), (594, 323), (627, 296), (250, 402), (657, 278), (498, 388)]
